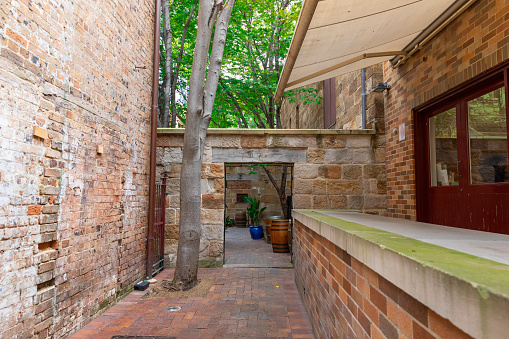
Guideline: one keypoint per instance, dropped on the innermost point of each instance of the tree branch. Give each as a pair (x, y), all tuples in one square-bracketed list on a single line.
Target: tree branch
[(175, 75), (216, 56), (235, 103)]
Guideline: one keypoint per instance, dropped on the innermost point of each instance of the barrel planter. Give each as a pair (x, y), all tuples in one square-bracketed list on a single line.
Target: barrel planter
[(279, 235), (240, 219), (268, 222)]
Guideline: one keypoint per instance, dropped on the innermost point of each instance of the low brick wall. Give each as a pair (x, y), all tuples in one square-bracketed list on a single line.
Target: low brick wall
[(350, 291)]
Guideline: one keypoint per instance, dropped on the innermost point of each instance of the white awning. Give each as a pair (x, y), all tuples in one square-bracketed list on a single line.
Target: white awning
[(334, 37)]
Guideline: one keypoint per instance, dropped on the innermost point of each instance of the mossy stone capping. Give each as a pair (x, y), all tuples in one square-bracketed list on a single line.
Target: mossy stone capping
[(285, 132), (470, 291)]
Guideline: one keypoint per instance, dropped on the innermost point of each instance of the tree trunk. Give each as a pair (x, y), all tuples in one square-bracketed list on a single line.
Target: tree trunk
[(167, 37), (280, 189), (199, 111)]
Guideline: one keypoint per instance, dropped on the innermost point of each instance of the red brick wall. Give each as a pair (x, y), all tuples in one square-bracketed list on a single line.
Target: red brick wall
[(346, 299), (473, 43), (72, 215)]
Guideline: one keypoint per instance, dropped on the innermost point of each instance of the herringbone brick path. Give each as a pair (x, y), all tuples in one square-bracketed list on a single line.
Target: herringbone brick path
[(243, 302)]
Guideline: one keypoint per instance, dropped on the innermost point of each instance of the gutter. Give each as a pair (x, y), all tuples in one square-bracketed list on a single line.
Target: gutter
[(153, 139), (306, 15), (432, 30)]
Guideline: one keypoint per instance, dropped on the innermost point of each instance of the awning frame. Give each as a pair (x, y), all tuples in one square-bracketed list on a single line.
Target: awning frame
[(399, 57)]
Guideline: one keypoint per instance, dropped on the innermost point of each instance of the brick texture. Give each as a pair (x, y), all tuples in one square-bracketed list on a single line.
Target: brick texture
[(474, 42), (72, 222), (346, 299)]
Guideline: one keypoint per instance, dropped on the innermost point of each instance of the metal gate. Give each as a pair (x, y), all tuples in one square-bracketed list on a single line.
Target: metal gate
[(160, 209)]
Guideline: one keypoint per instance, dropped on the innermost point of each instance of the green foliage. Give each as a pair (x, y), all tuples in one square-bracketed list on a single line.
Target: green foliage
[(258, 40), (253, 210), (306, 95), (259, 35), (179, 13), (229, 221)]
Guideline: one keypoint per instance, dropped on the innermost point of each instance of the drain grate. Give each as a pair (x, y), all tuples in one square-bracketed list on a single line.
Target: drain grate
[(172, 309), (140, 337)]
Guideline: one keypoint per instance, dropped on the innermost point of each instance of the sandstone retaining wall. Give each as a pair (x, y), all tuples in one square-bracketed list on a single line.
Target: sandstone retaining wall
[(333, 169)]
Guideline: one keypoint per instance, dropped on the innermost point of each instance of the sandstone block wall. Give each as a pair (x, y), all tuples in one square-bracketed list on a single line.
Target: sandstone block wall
[(333, 169), (240, 181), (74, 147), (348, 104), (474, 42)]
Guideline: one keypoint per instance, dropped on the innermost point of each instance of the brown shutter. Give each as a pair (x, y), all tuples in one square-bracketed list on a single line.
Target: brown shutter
[(329, 103)]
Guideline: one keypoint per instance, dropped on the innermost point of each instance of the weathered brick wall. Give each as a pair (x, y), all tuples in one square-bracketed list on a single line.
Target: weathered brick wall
[(74, 147), (348, 104), (333, 169), (347, 299), (473, 43)]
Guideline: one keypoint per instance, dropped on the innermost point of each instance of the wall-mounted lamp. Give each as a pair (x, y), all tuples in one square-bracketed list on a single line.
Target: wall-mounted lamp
[(382, 86)]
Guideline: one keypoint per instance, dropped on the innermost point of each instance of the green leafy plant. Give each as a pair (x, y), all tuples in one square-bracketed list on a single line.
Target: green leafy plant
[(229, 221), (253, 210)]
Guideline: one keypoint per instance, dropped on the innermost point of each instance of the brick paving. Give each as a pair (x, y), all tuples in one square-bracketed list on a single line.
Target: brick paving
[(242, 251), (244, 302)]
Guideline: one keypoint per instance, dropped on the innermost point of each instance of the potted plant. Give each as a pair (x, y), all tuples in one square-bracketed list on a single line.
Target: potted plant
[(253, 212)]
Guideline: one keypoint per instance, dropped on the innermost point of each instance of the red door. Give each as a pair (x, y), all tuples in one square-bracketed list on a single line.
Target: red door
[(462, 157)]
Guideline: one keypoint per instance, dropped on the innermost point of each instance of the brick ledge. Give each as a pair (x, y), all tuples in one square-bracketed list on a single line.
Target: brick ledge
[(476, 303)]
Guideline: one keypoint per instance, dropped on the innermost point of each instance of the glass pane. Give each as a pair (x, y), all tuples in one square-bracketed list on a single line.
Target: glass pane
[(443, 149), (488, 138)]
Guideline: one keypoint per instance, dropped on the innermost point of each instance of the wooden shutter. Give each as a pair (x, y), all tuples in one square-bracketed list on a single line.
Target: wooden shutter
[(329, 102)]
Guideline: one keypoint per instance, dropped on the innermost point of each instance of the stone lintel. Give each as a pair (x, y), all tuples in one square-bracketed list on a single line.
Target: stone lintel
[(273, 156)]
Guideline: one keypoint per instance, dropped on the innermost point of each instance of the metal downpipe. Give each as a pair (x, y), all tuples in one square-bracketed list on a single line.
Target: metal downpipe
[(153, 140), (363, 81)]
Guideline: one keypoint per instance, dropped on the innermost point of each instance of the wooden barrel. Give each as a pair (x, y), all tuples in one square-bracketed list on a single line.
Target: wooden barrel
[(240, 219), (268, 222), (279, 234)]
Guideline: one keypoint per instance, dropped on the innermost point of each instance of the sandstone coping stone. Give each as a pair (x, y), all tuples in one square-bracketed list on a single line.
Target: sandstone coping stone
[(291, 141), (223, 131), (471, 292)]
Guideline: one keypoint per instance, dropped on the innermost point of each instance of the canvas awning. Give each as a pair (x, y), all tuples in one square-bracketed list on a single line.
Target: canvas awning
[(334, 37)]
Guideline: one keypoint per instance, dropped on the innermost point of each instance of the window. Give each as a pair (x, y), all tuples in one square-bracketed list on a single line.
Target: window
[(240, 197), (487, 129), (443, 138)]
